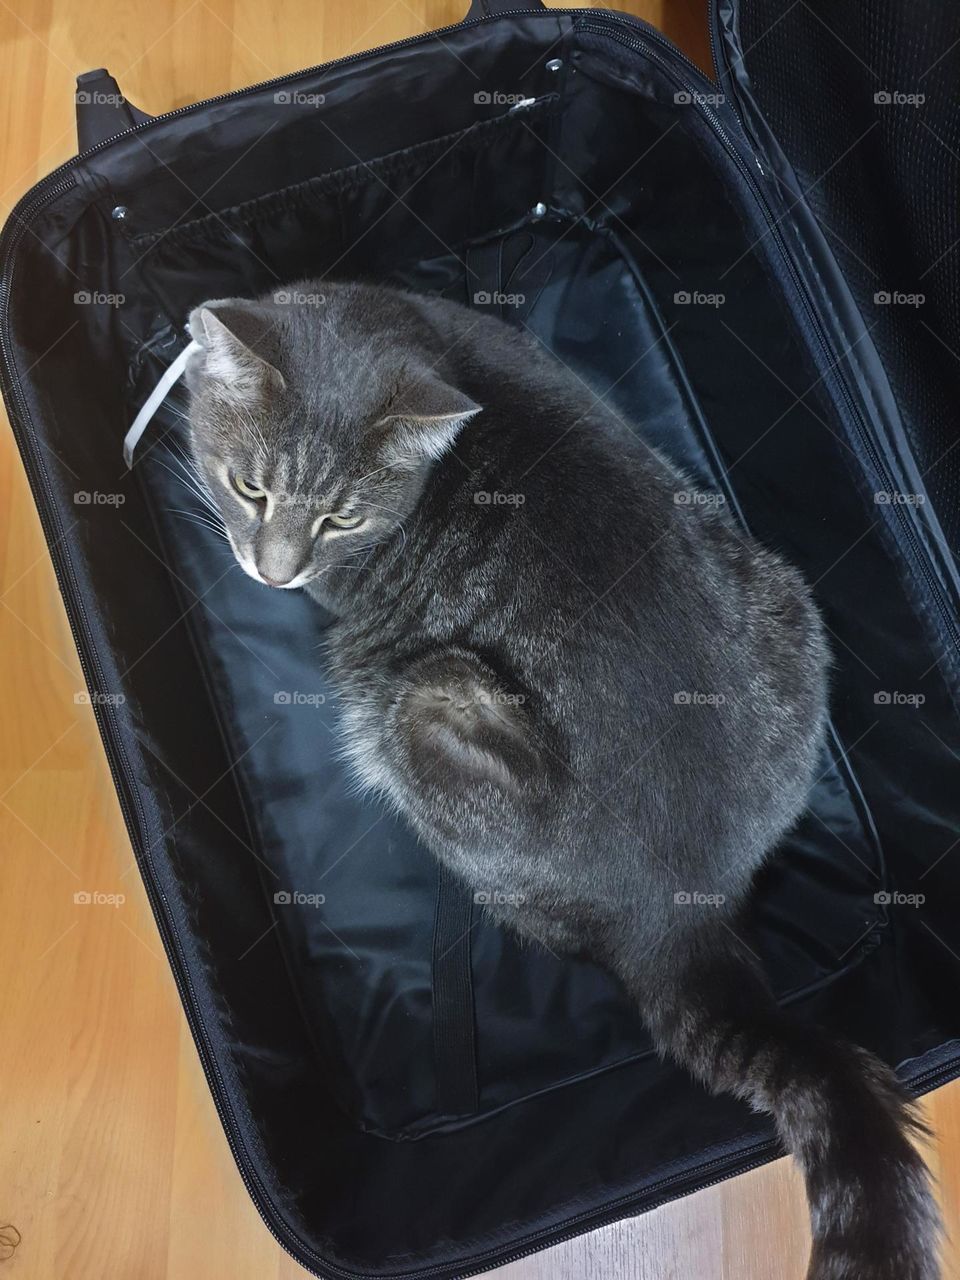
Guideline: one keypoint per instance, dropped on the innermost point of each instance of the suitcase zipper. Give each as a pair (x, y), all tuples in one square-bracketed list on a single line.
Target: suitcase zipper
[(57, 183), (866, 436), (758, 1154)]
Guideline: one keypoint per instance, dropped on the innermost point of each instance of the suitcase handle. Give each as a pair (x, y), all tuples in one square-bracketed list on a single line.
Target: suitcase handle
[(102, 110)]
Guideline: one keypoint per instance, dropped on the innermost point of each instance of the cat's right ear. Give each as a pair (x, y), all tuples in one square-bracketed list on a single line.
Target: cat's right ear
[(237, 340), (424, 422)]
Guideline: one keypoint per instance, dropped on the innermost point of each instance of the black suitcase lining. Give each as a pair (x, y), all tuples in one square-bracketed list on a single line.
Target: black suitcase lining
[(601, 250)]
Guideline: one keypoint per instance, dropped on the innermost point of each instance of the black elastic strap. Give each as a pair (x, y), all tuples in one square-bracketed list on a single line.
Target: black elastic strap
[(512, 267), (454, 1036)]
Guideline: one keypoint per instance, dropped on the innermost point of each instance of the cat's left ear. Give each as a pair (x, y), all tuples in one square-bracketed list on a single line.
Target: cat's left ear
[(238, 342), (425, 420)]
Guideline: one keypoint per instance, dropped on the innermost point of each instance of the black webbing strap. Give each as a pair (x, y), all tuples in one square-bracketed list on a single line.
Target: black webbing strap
[(454, 1047)]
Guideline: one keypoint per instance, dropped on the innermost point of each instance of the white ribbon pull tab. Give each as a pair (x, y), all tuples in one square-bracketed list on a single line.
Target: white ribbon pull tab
[(156, 398)]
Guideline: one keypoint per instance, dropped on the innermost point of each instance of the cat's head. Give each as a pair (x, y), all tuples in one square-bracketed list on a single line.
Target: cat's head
[(314, 425)]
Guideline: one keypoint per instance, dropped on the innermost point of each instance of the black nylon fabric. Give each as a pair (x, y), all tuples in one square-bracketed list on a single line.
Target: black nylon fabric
[(402, 1099), (863, 100)]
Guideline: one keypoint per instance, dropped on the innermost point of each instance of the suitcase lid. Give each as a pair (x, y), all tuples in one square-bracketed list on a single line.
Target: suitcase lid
[(852, 108)]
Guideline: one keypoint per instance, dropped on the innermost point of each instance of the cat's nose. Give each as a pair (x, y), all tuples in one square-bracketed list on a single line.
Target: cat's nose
[(280, 554)]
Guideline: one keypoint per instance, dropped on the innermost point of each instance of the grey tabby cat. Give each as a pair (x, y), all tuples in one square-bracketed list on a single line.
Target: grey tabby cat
[(575, 685)]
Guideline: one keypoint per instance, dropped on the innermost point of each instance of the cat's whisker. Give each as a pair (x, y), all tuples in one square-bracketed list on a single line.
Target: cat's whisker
[(380, 507), (198, 515), (390, 511), (188, 477), (174, 443), (179, 455), (186, 459), (391, 466), (199, 520)]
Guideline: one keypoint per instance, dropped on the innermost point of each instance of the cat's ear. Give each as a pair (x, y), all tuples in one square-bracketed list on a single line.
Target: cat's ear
[(424, 421), (237, 339)]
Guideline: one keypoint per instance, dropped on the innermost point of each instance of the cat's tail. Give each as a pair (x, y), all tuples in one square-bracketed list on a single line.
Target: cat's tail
[(840, 1111)]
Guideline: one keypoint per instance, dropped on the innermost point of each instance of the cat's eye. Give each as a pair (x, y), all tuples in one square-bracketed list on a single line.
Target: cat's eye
[(345, 520), (252, 491)]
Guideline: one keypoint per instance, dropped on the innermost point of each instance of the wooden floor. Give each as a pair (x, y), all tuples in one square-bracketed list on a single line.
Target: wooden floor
[(112, 1161)]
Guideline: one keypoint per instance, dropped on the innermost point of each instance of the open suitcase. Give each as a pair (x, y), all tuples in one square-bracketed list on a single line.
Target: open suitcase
[(762, 276)]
